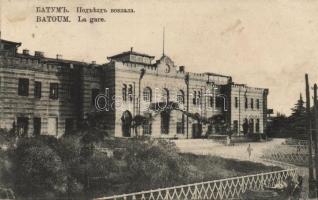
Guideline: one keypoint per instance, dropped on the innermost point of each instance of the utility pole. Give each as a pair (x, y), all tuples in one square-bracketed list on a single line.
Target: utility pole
[(315, 132), (187, 83), (308, 133)]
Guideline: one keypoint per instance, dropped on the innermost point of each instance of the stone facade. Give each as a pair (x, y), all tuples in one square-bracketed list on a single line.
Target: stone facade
[(40, 95)]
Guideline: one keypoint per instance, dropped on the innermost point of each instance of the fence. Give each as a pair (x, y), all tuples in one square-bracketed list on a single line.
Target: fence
[(229, 188), (292, 141), (292, 154)]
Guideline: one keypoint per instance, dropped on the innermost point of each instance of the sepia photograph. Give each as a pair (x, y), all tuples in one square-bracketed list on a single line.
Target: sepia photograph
[(158, 100)]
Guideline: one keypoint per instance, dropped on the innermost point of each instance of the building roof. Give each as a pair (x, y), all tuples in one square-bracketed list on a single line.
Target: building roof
[(214, 74), (130, 52), (10, 42)]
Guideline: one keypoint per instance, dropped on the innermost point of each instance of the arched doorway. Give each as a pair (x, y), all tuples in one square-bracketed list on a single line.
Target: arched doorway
[(126, 120), (197, 127)]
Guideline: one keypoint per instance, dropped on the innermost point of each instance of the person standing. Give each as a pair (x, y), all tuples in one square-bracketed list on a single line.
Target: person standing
[(249, 151)]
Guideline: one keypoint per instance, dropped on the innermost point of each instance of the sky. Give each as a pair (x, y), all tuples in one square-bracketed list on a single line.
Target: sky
[(262, 43)]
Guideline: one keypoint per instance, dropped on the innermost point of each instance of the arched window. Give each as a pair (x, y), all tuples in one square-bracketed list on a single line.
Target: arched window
[(124, 92), (147, 94), (180, 97), (130, 93), (165, 95)]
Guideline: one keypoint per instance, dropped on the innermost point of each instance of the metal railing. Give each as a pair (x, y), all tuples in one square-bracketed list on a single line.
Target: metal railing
[(229, 188), (292, 154), (292, 141)]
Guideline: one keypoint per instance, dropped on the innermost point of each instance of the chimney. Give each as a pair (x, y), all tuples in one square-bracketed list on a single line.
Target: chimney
[(131, 49), (26, 52), (59, 56), (38, 54), (181, 68)]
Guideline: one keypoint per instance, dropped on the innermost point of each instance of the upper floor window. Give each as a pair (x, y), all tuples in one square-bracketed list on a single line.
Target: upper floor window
[(95, 92), (236, 102), (194, 97), (23, 87), (252, 103), (211, 101), (199, 98), (220, 102), (165, 95), (124, 92), (37, 89), (180, 97), (130, 93), (246, 102), (54, 90), (147, 94), (257, 103)]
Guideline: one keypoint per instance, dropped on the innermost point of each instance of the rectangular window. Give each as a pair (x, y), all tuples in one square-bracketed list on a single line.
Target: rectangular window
[(257, 125), (211, 102), (180, 125), (22, 126), (147, 126), (235, 126), (36, 126), (199, 98), (252, 103), (219, 102), (69, 92), (95, 92), (69, 126), (257, 103), (236, 102), (52, 126), (130, 93), (37, 89), (23, 87), (246, 103), (54, 90)]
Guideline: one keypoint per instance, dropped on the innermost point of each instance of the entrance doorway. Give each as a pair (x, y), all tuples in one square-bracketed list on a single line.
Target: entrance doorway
[(196, 130), (126, 120)]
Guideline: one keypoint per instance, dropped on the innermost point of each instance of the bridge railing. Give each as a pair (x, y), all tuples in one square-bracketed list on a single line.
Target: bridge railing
[(230, 188)]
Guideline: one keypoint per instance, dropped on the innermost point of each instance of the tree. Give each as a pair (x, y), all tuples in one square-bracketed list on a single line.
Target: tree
[(297, 120)]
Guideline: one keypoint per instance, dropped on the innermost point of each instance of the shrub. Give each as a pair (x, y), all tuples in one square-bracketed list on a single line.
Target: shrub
[(153, 164), (38, 169)]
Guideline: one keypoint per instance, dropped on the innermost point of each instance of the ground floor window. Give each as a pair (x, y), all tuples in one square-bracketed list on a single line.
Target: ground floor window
[(235, 126), (22, 126), (165, 121), (52, 126), (146, 128), (257, 125), (69, 125), (36, 126), (180, 125), (251, 126)]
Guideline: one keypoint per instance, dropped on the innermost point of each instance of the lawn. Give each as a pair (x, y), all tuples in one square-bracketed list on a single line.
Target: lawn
[(214, 167)]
